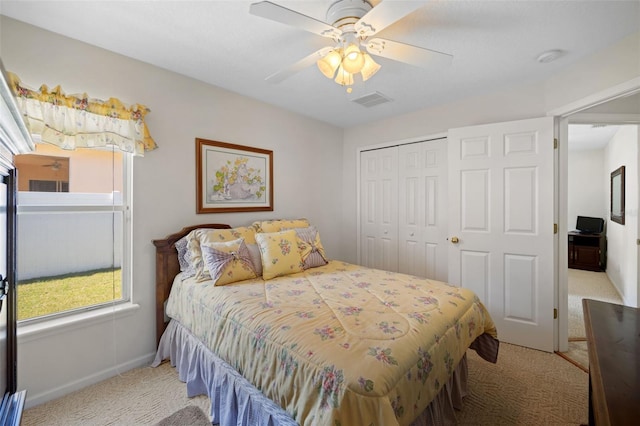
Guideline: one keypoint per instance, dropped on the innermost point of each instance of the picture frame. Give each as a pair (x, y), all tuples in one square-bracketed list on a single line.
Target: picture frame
[(617, 195), (232, 178)]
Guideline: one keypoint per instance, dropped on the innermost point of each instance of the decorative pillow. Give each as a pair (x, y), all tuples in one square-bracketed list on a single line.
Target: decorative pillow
[(280, 254), (228, 262), (208, 236), (277, 225), (311, 248), (187, 267), (256, 259)]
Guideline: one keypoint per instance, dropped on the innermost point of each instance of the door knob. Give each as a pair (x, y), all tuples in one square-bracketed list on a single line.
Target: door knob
[(455, 240)]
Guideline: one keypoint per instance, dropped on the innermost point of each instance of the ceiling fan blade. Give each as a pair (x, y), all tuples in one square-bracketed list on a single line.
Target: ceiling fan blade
[(384, 14), (402, 52), (298, 66), (274, 12)]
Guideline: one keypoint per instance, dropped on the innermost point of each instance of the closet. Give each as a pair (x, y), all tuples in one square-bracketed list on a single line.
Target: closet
[(402, 215)]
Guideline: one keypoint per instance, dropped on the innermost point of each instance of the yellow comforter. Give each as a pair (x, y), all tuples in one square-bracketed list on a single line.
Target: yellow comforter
[(340, 344)]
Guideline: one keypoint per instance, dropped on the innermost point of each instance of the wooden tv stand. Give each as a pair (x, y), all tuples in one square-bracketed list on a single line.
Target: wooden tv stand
[(613, 344), (587, 251)]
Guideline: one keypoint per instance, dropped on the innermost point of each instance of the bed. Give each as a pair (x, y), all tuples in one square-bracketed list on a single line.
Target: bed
[(327, 344)]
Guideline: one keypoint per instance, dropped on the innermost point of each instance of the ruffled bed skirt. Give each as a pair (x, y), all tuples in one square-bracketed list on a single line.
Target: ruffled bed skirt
[(234, 401)]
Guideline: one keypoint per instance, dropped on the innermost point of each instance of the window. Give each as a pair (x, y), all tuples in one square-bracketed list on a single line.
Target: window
[(48, 186), (73, 235)]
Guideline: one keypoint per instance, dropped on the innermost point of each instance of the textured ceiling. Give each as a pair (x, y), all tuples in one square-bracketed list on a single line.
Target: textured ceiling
[(584, 137), (494, 44)]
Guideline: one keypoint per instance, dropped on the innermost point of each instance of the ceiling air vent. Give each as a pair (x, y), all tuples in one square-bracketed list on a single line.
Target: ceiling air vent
[(372, 99)]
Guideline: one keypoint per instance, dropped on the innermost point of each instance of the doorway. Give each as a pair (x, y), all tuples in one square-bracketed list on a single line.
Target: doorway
[(619, 105), (592, 149)]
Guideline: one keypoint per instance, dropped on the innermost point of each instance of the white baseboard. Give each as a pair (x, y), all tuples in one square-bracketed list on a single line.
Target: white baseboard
[(60, 391)]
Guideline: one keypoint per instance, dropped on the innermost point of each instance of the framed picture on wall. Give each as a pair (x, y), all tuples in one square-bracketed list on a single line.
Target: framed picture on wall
[(617, 195), (233, 178)]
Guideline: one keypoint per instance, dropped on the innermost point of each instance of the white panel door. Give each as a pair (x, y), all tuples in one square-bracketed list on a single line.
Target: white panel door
[(379, 208), (501, 210), (422, 214)]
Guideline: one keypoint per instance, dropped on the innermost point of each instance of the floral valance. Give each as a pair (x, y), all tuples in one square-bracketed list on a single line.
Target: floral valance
[(75, 121)]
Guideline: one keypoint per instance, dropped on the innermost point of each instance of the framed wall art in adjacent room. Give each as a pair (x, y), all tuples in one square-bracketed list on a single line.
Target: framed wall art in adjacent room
[(617, 195)]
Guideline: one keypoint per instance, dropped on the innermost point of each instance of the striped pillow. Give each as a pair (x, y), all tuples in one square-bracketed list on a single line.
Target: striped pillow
[(313, 254), (187, 266), (228, 262)]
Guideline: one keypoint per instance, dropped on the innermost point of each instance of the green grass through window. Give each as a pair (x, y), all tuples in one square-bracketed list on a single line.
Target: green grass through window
[(44, 296)]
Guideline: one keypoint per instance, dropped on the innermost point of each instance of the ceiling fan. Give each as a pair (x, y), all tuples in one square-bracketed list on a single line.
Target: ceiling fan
[(56, 165), (354, 23)]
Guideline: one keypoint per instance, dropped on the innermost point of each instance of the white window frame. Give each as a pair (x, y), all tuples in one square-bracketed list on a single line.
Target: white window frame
[(127, 244)]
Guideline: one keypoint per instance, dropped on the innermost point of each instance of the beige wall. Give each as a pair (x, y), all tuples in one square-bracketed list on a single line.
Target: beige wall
[(622, 267), (307, 181), (586, 188)]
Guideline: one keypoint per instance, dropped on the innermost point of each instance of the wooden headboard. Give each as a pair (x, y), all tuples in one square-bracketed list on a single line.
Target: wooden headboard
[(167, 267)]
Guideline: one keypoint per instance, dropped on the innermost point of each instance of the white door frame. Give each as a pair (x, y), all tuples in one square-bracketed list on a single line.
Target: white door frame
[(563, 113)]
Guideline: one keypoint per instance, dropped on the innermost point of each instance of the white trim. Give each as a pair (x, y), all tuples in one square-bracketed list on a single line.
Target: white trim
[(592, 118), (565, 113), (358, 236), (401, 142), (127, 227), (562, 294), (621, 90), (63, 324), (12, 125), (37, 399)]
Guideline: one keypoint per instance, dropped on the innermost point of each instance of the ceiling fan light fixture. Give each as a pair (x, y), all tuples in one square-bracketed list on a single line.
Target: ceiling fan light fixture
[(352, 25), (343, 77), (353, 60), (370, 67), (330, 63)]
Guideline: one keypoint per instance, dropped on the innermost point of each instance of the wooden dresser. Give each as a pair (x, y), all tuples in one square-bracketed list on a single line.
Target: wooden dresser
[(613, 342), (587, 251)]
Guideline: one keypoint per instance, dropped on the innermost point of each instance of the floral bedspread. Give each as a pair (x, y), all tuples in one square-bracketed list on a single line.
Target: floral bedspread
[(339, 344)]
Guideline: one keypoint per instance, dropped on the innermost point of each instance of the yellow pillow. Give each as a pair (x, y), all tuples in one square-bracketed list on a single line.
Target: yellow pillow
[(311, 249), (228, 262), (280, 254), (208, 236), (279, 224), (217, 235)]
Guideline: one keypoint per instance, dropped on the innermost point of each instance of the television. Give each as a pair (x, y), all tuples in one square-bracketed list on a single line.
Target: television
[(590, 225)]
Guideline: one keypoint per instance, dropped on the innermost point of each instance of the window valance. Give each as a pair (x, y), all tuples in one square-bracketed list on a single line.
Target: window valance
[(75, 121)]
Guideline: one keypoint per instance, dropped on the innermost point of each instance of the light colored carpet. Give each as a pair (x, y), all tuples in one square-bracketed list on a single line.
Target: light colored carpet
[(525, 387), (142, 396), (587, 285)]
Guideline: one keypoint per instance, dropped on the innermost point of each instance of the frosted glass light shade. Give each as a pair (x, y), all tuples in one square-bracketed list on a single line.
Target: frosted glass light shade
[(370, 67), (353, 59), (329, 63), (343, 77)]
